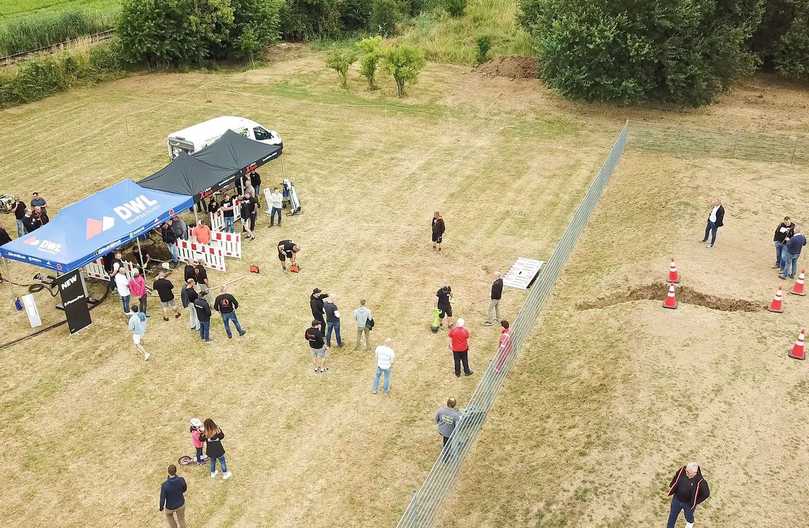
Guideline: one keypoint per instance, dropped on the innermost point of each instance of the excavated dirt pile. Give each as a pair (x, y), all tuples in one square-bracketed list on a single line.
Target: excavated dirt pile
[(657, 292), (514, 67)]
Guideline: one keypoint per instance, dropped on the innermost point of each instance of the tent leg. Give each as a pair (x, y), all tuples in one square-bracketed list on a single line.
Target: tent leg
[(140, 255), (196, 218)]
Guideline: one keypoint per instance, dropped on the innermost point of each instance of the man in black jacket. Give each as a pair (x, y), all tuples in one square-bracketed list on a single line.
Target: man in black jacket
[(203, 315), (226, 305), (494, 305), (170, 239), (715, 218), (316, 305), (172, 500), (332, 320), (187, 297), (784, 231), (687, 489)]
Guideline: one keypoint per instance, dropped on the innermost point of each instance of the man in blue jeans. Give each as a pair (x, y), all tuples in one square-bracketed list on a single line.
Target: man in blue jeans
[(226, 305), (715, 221), (203, 315), (384, 361), (687, 489), (332, 321), (790, 253)]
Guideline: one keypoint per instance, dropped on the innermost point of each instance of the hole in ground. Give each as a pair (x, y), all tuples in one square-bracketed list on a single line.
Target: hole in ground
[(657, 292)]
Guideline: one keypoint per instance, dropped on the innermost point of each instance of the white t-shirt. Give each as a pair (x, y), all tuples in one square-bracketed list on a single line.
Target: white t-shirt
[(712, 218), (122, 283), (384, 356), (276, 200)]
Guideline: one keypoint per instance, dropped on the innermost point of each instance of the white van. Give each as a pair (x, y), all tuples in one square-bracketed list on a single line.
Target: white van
[(199, 136)]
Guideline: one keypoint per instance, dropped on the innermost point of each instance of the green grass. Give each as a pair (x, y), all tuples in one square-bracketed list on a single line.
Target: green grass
[(45, 29), (448, 39), (21, 9)]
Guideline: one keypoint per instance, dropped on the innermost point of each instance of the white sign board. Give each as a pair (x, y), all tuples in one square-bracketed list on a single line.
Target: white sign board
[(522, 273), (31, 310)]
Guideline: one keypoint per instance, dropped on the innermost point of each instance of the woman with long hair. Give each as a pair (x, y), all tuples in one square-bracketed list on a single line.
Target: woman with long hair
[(212, 435)]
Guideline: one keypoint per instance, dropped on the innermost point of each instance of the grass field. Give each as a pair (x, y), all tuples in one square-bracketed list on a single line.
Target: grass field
[(598, 398), (16, 9)]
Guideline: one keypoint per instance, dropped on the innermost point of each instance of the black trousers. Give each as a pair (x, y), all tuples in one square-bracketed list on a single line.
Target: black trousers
[(461, 358)]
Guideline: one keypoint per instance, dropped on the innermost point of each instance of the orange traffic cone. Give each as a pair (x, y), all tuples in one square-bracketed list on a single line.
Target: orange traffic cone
[(674, 275), (799, 348), (671, 299), (798, 287), (777, 304)]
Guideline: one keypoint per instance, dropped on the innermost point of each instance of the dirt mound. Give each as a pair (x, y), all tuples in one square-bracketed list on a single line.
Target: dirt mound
[(514, 67), (657, 292)]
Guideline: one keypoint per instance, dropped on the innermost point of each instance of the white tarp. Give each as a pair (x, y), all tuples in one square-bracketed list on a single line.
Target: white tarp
[(522, 273)]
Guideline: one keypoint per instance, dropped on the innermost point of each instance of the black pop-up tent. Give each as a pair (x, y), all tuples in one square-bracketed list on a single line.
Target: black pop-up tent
[(212, 167)]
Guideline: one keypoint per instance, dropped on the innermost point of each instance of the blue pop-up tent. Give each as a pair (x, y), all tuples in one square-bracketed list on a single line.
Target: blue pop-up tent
[(86, 230)]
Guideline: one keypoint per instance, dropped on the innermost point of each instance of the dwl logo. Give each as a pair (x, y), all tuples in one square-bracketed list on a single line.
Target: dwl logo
[(134, 207)]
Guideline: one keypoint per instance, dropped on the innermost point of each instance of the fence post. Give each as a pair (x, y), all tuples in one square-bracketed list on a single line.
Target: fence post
[(794, 148)]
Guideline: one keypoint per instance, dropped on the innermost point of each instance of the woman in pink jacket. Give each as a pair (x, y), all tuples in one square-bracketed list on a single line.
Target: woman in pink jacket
[(138, 290), (504, 346)]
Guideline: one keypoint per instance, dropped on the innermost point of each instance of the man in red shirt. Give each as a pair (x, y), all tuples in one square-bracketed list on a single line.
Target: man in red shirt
[(459, 344)]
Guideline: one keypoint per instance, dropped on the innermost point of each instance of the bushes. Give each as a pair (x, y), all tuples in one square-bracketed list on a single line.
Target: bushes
[(384, 16), (340, 60), (36, 79), (41, 31), (792, 55), (455, 8), (782, 39), (371, 49), (404, 63), (681, 51), (308, 19), (484, 43), (192, 32)]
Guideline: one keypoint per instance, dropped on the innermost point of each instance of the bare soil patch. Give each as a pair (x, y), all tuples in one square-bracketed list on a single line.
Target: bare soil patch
[(657, 292), (513, 67)]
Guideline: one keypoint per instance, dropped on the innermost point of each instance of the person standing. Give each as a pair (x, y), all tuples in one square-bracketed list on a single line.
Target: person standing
[(459, 345), (494, 304), (444, 296), (790, 254), (316, 305), (200, 274), (122, 285), (332, 321), (438, 228), (213, 436), (203, 314), (447, 418), (19, 214), (503, 346), (314, 336), (38, 201), (170, 239), (202, 233), (172, 499), (227, 213), (187, 297), (138, 290), (384, 362), (276, 205), (715, 221), (179, 227), (188, 270), (361, 316), (255, 181), (287, 250), (784, 231), (248, 212), (687, 489), (137, 325), (226, 305), (164, 288)]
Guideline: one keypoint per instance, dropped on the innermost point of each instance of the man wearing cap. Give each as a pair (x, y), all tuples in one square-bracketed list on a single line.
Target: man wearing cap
[(459, 345), (687, 489), (316, 305)]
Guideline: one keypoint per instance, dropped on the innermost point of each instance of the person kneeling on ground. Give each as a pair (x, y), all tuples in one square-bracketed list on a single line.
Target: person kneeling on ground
[(287, 250), (687, 489)]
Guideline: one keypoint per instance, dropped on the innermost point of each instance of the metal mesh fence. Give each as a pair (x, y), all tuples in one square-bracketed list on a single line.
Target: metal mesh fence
[(425, 503)]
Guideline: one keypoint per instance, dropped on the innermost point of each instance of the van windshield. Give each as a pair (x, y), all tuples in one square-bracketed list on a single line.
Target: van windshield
[(262, 134)]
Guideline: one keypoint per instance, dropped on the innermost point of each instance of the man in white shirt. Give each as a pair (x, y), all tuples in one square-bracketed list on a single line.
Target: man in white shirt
[(384, 361), (361, 316), (715, 221), (122, 285), (276, 200)]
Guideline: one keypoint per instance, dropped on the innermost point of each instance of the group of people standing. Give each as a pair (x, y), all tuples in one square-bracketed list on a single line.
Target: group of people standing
[(29, 219), (789, 241)]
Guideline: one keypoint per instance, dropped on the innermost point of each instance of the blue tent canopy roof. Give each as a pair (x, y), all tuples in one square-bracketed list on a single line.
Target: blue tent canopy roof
[(89, 229)]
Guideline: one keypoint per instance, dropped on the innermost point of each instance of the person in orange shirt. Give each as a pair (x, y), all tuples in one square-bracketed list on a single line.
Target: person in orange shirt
[(202, 233)]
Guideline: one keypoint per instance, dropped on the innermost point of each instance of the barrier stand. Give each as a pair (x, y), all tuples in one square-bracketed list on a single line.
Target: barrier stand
[(211, 256)]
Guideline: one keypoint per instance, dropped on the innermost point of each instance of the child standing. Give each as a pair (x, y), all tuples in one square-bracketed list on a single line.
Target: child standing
[(196, 432), (212, 435)]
